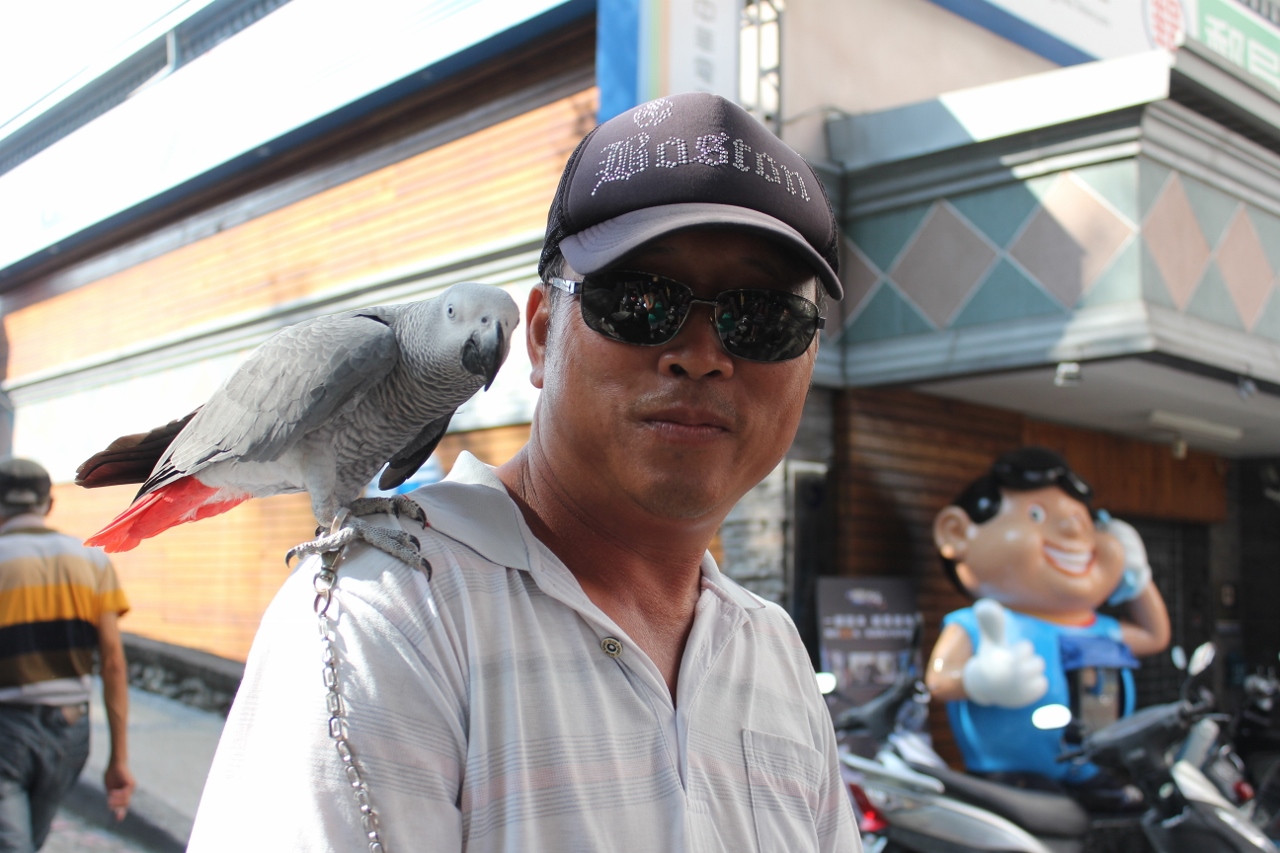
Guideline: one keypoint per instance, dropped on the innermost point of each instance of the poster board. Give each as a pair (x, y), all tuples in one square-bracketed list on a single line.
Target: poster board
[(866, 627)]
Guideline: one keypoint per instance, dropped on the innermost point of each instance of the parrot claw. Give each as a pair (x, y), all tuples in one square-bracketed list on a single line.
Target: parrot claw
[(397, 505), (396, 543)]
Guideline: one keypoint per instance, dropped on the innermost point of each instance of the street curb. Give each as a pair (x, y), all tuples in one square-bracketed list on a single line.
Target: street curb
[(191, 676), (151, 823)]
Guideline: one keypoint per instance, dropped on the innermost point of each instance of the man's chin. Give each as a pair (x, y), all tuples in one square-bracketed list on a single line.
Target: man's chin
[(681, 500)]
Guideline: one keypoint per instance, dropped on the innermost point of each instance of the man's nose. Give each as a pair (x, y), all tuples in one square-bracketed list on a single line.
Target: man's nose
[(696, 351)]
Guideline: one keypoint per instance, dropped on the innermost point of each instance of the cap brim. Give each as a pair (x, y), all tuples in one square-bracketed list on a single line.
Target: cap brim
[(600, 246)]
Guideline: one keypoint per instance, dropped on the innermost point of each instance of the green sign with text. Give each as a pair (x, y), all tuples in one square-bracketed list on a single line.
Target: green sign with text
[(1239, 36)]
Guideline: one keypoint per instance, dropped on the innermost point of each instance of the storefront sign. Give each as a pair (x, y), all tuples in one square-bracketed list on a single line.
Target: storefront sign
[(866, 627), (1240, 37), (1073, 31), (649, 48), (701, 50)]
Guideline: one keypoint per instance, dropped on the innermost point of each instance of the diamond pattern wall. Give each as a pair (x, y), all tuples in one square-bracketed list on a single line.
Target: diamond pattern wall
[(1061, 243), (943, 264), (1072, 238), (1245, 269), (1177, 245)]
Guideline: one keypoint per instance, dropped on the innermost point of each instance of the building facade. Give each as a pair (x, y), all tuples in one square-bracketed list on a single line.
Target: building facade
[(311, 160), (1060, 229), (1057, 230)]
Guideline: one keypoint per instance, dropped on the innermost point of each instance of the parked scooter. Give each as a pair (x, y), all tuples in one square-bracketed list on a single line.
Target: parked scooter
[(907, 799), (1186, 812), (1245, 763), (907, 805)]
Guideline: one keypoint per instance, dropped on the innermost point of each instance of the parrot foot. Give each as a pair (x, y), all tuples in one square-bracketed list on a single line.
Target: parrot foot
[(396, 543), (397, 505)]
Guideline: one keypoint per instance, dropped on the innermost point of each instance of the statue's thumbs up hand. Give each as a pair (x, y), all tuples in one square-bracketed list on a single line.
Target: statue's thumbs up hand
[(1001, 673)]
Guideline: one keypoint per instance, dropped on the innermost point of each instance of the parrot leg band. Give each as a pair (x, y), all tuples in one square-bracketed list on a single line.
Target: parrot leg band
[(396, 543)]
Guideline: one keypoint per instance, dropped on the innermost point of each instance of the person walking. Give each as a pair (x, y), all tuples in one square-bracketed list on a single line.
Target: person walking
[(59, 604)]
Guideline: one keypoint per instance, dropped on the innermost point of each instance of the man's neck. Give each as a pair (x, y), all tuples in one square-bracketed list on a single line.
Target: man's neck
[(643, 571), (22, 520)]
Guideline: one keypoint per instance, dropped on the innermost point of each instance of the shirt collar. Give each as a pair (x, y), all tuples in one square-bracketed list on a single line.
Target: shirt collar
[(484, 519), (488, 521), (23, 521)]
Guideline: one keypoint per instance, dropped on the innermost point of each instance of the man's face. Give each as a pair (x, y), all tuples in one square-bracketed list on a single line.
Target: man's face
[(683, 429), (1041, 553)]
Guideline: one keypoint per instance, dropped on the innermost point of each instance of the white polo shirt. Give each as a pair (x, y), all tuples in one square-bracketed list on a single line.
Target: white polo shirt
[(495, 708)]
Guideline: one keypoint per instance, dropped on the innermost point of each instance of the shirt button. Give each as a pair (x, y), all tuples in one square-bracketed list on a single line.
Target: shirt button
[(611, 647)]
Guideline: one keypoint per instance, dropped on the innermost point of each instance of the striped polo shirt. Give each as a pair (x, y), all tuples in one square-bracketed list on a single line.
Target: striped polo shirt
[(53, 591), (496, 709)]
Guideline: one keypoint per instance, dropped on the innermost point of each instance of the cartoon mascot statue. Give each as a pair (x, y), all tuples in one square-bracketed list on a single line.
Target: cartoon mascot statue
[(1023, 540)]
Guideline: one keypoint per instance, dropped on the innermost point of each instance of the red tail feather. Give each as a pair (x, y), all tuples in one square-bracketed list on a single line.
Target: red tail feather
[(179, 502)]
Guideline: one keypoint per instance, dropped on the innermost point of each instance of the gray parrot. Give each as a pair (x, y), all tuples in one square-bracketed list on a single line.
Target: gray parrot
[(319, 407)]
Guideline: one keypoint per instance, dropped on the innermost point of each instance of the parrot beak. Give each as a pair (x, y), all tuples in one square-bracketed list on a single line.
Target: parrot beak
[(484, 352)]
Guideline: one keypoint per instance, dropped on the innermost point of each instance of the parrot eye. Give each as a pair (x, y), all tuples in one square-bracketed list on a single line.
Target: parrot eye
[(1037, 513), (450, 309)]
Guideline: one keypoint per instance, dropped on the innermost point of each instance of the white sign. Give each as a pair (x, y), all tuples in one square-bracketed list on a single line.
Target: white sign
[(692, 45), (1102, 29)]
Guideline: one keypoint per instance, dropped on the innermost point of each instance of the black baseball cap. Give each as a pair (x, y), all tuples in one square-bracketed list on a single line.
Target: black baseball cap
[(687, 161), (23, 483)]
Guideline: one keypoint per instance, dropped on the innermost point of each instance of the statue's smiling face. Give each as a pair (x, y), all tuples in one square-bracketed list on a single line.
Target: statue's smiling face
[(1040, 553)]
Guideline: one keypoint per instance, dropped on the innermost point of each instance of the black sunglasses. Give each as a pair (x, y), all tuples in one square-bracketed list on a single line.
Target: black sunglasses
[(1018, 477), (648, 310)]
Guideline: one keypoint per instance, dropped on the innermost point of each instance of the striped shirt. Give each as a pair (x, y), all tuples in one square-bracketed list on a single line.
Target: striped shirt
[(53, 592), (496, 708)]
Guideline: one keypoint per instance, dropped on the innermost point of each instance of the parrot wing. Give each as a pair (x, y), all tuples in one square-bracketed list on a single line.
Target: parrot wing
[(410, 459), (289, 386), (130, 458)]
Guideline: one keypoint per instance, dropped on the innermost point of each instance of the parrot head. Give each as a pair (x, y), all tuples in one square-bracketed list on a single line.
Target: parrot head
[(485, 316)]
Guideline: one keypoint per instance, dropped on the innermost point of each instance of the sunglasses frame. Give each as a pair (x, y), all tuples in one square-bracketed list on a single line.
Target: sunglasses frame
[(574, 288), (1063, 478)]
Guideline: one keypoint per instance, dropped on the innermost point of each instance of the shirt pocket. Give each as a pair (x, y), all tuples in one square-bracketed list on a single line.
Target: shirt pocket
[(785, 778)]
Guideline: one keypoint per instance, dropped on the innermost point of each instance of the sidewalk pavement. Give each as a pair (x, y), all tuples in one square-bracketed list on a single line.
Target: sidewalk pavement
[(171, 747)]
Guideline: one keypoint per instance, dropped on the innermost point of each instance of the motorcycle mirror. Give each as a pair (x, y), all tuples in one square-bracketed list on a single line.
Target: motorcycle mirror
[(1051, 717), (826, 682), (1179, 657), (1201, 658)]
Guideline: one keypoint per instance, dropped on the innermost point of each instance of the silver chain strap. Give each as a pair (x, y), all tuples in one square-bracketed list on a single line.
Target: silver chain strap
[(324, 580)]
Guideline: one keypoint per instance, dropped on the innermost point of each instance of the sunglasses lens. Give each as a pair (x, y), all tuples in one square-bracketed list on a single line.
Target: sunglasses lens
[(765, 325), (634, 308), (647, 310)]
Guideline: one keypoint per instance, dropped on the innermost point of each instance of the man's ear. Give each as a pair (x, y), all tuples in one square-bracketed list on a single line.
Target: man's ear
[(538, 310), (950, 533)]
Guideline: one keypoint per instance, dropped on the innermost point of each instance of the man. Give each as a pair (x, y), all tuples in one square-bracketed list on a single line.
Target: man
[(577, 675), (59, 602), (1023, 539)]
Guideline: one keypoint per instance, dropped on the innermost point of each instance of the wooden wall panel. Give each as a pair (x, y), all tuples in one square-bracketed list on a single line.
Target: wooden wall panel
[(493, 183), (492, 446), (1139, 478), (901, 457), (203, 585)]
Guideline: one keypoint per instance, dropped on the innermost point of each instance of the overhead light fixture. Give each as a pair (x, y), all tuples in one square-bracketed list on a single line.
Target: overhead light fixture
[(1067, 375), (1188, 425), (1246, 387)]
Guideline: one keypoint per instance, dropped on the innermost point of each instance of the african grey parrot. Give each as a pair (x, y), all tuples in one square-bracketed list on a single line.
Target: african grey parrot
[(320, 406)]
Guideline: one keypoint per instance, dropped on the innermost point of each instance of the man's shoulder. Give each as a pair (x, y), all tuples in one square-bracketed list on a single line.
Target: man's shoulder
[(23, 539), (470, 540)]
